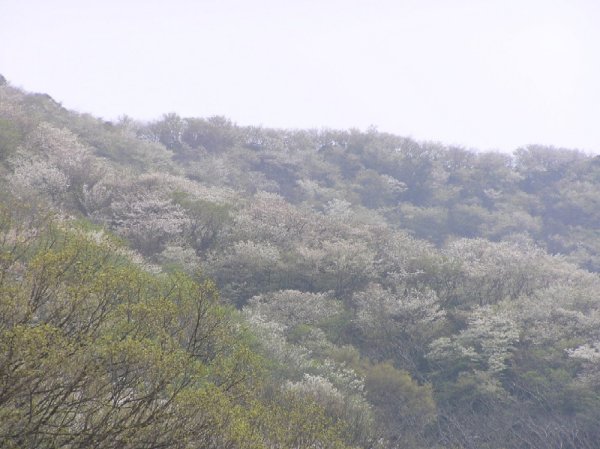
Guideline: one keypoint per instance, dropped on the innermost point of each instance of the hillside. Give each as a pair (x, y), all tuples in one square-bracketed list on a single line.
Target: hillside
[(374, 291)]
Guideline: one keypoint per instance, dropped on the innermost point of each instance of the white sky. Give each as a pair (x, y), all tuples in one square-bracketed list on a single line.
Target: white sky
[(486, 74)]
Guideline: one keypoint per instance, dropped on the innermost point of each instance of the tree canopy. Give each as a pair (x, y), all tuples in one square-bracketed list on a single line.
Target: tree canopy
[(191, 283)]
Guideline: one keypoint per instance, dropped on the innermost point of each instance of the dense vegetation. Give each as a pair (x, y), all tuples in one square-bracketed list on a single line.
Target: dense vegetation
[(375, 291)]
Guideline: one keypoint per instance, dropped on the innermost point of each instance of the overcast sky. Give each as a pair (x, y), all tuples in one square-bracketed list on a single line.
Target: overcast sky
[(486, 74)]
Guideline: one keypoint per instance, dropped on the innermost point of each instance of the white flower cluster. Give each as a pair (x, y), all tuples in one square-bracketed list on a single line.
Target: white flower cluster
[(412, 307), (486, 344), (292, 307), (587, 352), (52, 161)]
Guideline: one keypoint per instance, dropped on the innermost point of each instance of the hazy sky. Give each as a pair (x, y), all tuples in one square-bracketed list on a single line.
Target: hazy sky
[(487, 74)]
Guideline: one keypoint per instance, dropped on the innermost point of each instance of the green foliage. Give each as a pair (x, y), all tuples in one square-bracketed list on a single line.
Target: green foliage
[(10, 137), (207, 220), (404, 407), (96, 351), (394, 293)]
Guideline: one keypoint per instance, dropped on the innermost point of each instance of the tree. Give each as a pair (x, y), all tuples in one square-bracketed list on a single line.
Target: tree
[(245, 269), (397, 326), (403, 407), (54, 163), (206, 220), (292, 308)]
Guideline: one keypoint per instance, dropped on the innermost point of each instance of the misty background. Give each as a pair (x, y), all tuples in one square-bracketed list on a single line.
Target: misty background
[(485, 75)]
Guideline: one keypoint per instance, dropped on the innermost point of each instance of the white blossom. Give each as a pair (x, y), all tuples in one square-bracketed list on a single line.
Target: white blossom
[(486, 343), (292, 307)]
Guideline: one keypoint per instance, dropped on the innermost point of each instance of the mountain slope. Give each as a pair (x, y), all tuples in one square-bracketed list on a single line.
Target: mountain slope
[(408, 294)]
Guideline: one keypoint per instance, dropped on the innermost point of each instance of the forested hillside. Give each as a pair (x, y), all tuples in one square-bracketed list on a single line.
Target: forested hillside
[(191, 283)]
